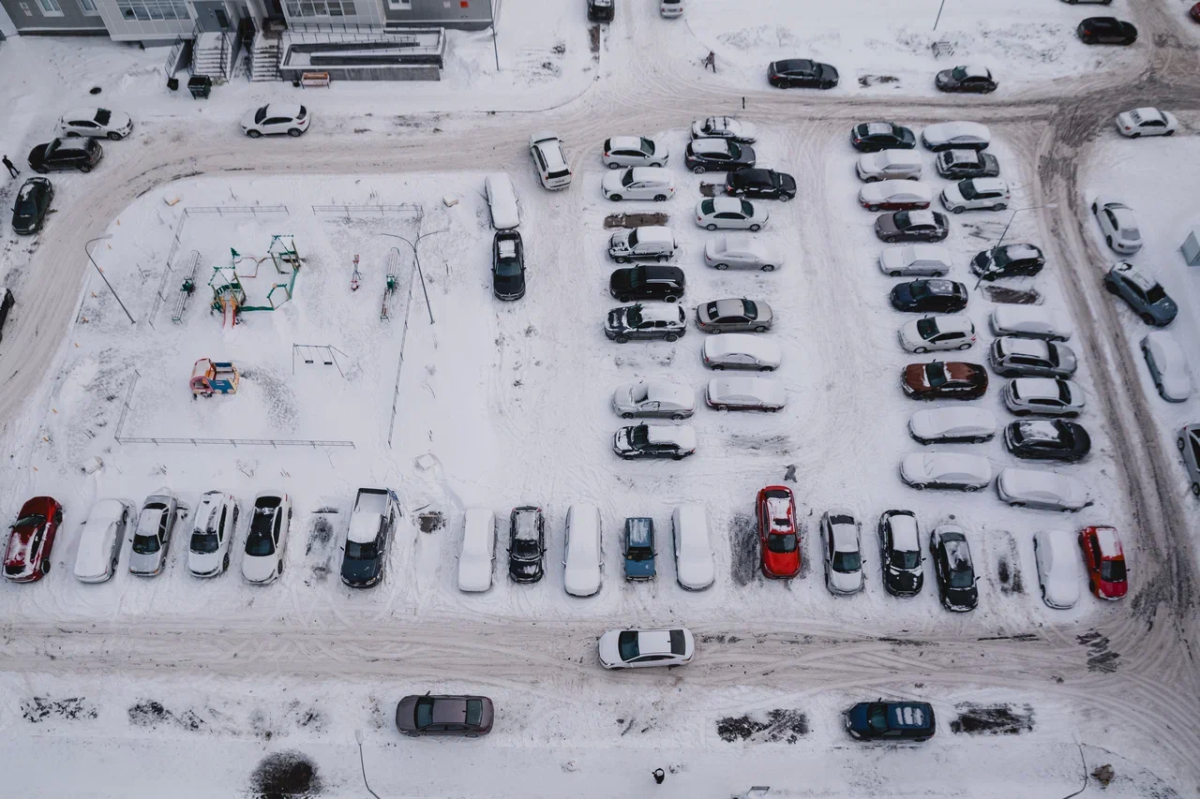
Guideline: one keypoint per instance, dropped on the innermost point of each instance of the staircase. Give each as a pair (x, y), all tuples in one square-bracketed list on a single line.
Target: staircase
[(264, 58), (212, 55)]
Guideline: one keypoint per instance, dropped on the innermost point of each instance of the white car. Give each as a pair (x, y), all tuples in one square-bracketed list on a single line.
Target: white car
[(639, 183), (96, 123), (918, 260), (976, 194), (101, 539), (275, 118), (478, 554), (957, 136), (212, 533), (745, 394), (889, 165), (1118, 224), (694, 566), (548, 159), (1044, 396), (671, 8), (502, 201), (266, 541), (739, 251), (895, 195), (1168, 366), (724, 128), (952, 425), (730, 213), (1146, 122), (946, 470), (741, 351), (934, 333), (621, 151), (1034, 488), (1030, 321), (638, 649), (1056, 553), (658, 398), (841, 548), (583, 551)]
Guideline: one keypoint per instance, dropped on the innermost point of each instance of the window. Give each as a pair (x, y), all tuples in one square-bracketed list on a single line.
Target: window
[(88, 7), (145, 10), (50, 8), (400, 5), (321, 8)]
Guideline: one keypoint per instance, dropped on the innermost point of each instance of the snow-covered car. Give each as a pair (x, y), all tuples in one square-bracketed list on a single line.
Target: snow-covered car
[(933, 333), (870, 137), (954, 568), (730, 213), (266, 541), (841, 551), (739, 251), (917, 260), (212, 533), (622, 151), (636, 649), (160, 513), (100, 541), (741, 351), (276, 118), (477, 557), (1168, 366), (946, 470), (1030, 357), (654, 398), (912, 226), (694, 566), (1118, 224), (973, 78), (961, 164), (1043, 490), (1059, 573), (734, 315), (649, 243), (900, 553), (1045, 396), (502, 201), (549, 160), (745, 394), (724, 128), (1140, 122), (96, 123), (1189, 449), (583, 551), (1008, 260), (639, 183), (1143, 293), (655, 441), (526, 544), (976, 194), (1030, 321), (895, 195), (889, 165), (645, 322), (956, 136), (951, 425), (369, 536)]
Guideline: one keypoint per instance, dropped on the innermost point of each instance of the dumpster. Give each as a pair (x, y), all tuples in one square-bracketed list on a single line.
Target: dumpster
[(200, 86)]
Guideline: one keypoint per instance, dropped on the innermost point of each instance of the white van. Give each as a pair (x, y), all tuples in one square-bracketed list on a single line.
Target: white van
[(101, 540), (478, 551), (694, 568), (502, 199), (583, 551), (1031, 321), (548, 158), (671, 8)]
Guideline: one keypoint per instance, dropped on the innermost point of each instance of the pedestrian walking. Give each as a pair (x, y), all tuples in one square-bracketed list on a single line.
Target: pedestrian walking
[(659, 776), (710, 61), (12, 170)]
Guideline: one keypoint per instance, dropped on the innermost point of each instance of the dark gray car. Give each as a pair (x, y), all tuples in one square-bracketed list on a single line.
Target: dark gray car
[(912, 226), (1145, 296), (1189, 448), (148, 554), (469, 716)]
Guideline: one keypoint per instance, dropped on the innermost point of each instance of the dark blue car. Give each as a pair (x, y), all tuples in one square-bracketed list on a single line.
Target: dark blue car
[(891, 721), (639, 549)]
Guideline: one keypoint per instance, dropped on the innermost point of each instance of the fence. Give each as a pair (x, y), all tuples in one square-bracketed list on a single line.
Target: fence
[(361, 210)]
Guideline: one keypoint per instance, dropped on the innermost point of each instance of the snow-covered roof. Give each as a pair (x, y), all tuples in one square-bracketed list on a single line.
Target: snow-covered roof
[(876, 128), (1110, 544), (364, 527), (664, 312), (1037, 387), (723, 205), (683, 436), (673, 393), (625, 143), (770, 392), (655, 174), (761, 348), (898, 157), (707, 146), (655, 234)]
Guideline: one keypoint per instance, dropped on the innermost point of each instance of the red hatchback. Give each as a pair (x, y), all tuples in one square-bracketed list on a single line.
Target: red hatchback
[(27, 558), (777, 534), (1105, 561), (1195, 12)]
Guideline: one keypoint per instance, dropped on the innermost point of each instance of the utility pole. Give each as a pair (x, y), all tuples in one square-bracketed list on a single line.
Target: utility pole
[(132, 321), (358, 736), (1006, 227), (495, 48), (939, 15)]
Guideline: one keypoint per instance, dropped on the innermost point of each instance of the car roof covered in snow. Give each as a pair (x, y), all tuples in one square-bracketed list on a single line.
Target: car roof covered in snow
[(664, 312), (625, 143), (683, 436), (664, 391), (760, 347), (1042, 483), (364, 527), (959, 128), (707, 146), (651, 173), (769, 391), (654, 234), (1110, 543)]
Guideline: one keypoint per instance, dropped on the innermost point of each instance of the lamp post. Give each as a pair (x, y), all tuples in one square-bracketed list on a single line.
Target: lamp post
[(358, 736), (1007, 226), (104, 277), (417, 261), (938, 18)]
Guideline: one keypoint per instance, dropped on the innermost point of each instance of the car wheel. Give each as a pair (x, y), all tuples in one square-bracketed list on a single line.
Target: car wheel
[(1095, 208), (918, 486), (1017, 504), (971, 489), (254, 134), (225, 562), (755, 228), (627, 416), (1196, 489), (716, 331), (678, 457), (718, 367), (622, 339), (45, 567), (679, 417), (958, 210), (722, 407), (114, 136), (672, 337), (710, 227), (872, 208), (295, 133), (624, 298), (768, 267), (85, 168), (671, 298), (979, 440), (721, 267), (615, 198), (1148, 319), (614, 166), (964, 346), (699, 169), (660, 198), (621, 260), (760, 329), (58, 517), (1169, 133), (1021, 413), (279, 571), (921, 350), (999, 207), (766, 368), (894, 274), (874, 179), (784, 198), (1110, 288), (1135, 135)]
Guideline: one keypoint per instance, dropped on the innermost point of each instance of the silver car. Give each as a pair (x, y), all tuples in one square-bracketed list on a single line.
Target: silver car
[(729, 316), (1189, 448), (160, 513), (1168, 366), (1046, 396), (657, 398), (842, 552), (1028, 357)]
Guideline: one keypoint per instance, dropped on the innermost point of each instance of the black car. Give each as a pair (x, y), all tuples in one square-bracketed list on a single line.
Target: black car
[(508, 265), (647, 282), (33, 203), (1106, 30), (717, 155), (962, 164), (930, 296), (966, 79), (601, 10), (871, 137), (761, 184), (912, 226), (6, 305), (639, 321), (954, 568), (371, 526), (891, 721), (803, 73), (1047, 440), (526, 544), (654, 441), (74, 153), (900, 553), (1009, 260)]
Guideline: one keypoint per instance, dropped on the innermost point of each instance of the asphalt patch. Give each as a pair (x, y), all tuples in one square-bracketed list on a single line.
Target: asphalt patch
[(39, 708), (285, 775), (1011, 296), (150, 713), (743, 541), (1100, 657), (775, 726), (320, 536), (992, 719), (1008, 571), (431, 522), (634, 220)]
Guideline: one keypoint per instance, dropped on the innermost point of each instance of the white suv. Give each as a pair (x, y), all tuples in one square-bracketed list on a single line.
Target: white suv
[(977, 194), (639, 183), (549, 160)]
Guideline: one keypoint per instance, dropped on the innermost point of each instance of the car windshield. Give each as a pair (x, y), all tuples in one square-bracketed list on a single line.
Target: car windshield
[(877, 716), (750, 308), (846, 562), (781, 543), (905, 559), (636, 277), (735, 151), (968, 190), (424, 713), (902, 219), (103, 115), (627, 642), (962, 578), (927, 328), (706, 206), (747, 209), (25, 205), (633, 238), (627, 178), (1112, 571), (474, 712), (639, 393), (525, 548), (259, 543), (508, 267), (647, 146), (634, 316), (260, 115), (36, 520), (1156, 294), (205, 543), (639, 436), (958, 73), (145, 544), (356, 551), (935, 373)]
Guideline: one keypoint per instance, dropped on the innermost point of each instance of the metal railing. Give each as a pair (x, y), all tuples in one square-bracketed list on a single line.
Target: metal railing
[(359, 210)]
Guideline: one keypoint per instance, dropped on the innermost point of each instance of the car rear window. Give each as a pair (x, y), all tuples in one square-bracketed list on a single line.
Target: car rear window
[(103, 115), (678, 644)]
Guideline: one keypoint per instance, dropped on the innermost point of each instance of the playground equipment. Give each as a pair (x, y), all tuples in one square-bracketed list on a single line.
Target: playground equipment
[(186, 290), (355, 276), (214, 377), (229, 293), (390, 279), (309, 353)]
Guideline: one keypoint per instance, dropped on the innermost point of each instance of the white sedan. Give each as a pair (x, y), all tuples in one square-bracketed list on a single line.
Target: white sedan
[(938, 333), (276, 118), (1146, 122), (1034, 488), (1056, 553), (932, 260), (741, 351), (622, 151), (739, 251), (724, 128), (730, 213), (895, 195), (952, 425), (266, 541), (96, 123), (1118, 224), (745, 394), (946, 470), (956, 136), (1168, 366), (654, 399), (639, 649)]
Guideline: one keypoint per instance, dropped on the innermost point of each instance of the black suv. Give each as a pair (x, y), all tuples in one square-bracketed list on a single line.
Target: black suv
[(526, 544), (33, 203), (761, 184), (601, 10), (647, 282), (1009, 260), (718, 155), (929, 296), (871, 137), (1047, 440), (1106, 30), (900, 553), (645, 322), (508, 265), (962, 164), (954, 567), (74, 153), (654, 441)]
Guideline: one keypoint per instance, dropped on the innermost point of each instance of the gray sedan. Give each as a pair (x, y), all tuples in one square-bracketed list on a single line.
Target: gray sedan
[(469, 716), (727, 316), (155, 524)]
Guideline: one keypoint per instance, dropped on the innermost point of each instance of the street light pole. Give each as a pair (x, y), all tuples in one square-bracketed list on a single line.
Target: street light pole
[(1006, 227), (495, 48), (105, 278), (939, 15), (358, 736), (417, 261)]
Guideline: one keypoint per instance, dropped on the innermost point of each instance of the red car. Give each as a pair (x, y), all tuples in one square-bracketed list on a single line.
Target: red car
[(780, 543), (1195, 12), (27, 558), (1105, 562)]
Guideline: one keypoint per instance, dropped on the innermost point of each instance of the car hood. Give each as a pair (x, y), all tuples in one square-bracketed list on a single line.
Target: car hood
[(616, 319), (846, 583), (696, 574), (360, 572), (258, 569), (474, 575), (581, 581), (608, 650), (904, 582), (639, 568), (406, 714), (621, 441), (205, 563), (145, 564), (902, 294), (248, 119), (961, 598), (787, 182), (856, 718), (620, 280), (828, 72), (612, 180), (1177, 386), (38, 153)]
